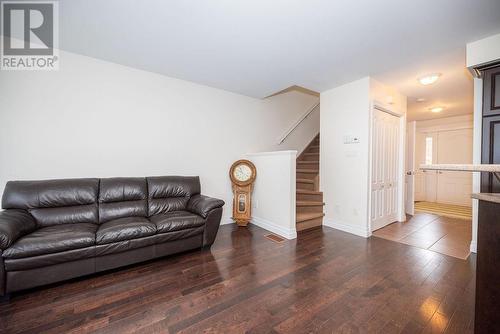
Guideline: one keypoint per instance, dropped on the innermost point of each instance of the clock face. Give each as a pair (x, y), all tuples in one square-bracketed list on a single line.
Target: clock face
[(242, 173)]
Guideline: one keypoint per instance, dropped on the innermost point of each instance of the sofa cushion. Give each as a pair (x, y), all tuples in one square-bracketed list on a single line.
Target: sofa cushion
[(53, 202), (53, 239), (122, 197), (46, 260), (125, 245), (176, 220), (124, 229), (170, 193)]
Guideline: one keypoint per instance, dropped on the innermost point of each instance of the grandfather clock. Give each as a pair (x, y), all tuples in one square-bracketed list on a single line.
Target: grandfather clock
[(242, 174)]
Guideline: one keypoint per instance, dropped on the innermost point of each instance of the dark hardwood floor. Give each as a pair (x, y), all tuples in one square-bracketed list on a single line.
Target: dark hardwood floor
[(325, 282)]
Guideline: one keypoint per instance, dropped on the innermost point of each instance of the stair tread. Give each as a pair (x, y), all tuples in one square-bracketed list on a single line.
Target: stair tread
[(305, 181), (306, 170), (313, 153), (301, 217), (305, 162), (310, 203), (310, 192)]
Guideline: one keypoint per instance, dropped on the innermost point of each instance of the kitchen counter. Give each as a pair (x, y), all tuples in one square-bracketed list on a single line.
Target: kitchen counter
[(463, 167), (488, 197)]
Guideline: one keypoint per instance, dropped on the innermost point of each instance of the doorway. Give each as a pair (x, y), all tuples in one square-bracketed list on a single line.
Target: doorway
[(444, 191), (441, 201)]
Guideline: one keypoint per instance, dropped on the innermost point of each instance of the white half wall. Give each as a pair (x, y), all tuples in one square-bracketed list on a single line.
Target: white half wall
[(274, 192), (94, 118)]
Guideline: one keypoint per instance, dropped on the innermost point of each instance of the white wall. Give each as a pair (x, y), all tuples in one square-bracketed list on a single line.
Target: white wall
[(304, 133), (274, 192), (446, 123), (98, 119), (345, 168)]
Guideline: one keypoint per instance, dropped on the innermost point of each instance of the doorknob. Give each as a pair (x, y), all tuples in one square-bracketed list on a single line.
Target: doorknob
[(410, 173)]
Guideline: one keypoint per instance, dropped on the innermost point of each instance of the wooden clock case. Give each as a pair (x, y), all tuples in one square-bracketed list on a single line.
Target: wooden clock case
[(242, 192)]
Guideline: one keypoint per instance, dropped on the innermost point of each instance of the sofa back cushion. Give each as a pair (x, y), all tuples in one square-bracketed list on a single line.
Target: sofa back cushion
[(170, 193), (122, 197), (53, 202)]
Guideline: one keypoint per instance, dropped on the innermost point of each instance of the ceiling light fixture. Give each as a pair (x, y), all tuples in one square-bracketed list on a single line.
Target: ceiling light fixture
[(429, 79), (436, 109), (420, 100)]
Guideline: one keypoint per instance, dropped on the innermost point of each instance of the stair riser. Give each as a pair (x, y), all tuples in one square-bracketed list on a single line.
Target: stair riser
[(305, 186), (310, 197), (308, 165), (313, 157), (309, 209), (313, 150), (309, 176), (309, 224)]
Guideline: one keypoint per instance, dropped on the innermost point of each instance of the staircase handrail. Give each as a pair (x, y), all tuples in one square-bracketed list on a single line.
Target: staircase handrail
[(297, 123)]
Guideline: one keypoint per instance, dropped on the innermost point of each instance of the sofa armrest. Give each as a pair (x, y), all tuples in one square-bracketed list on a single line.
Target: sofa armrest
[(13, 225), (202, 205)]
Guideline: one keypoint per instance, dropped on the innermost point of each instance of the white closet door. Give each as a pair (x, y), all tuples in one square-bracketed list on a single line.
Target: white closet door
[(385, 167)]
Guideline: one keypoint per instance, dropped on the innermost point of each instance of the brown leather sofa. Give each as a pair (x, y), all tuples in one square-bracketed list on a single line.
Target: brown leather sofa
[(55, 230)]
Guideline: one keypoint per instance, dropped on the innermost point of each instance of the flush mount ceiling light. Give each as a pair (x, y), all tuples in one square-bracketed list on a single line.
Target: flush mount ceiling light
[(420, 99), (436, 109), (429, 79)]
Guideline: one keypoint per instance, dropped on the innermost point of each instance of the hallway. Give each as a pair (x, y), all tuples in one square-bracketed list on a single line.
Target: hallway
[(445, 235)]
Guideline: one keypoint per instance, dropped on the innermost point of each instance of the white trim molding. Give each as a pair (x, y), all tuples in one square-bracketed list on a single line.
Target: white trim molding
[(274, 228), (473, 247), (227, 221), (338, 225)]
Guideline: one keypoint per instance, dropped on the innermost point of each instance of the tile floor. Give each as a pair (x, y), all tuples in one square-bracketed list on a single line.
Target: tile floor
[(449, 236)]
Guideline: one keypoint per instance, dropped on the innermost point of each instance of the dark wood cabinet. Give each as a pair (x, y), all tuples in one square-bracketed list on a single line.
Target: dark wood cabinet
[(487, 311), (491, 152), (491, 91), (491, 127)]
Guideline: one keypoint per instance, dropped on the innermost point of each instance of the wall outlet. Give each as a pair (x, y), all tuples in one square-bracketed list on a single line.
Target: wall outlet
[(255, 204)]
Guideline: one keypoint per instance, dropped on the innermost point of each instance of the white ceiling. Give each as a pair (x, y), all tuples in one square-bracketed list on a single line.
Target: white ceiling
[(453, 91), (259, 47)]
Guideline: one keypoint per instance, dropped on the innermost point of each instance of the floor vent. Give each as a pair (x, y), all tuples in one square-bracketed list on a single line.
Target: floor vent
[(275, 238)]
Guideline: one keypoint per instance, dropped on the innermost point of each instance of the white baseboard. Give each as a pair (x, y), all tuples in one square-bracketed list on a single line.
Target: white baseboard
[(226, 221), (473, 246), (347, 228), (275, 228)]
